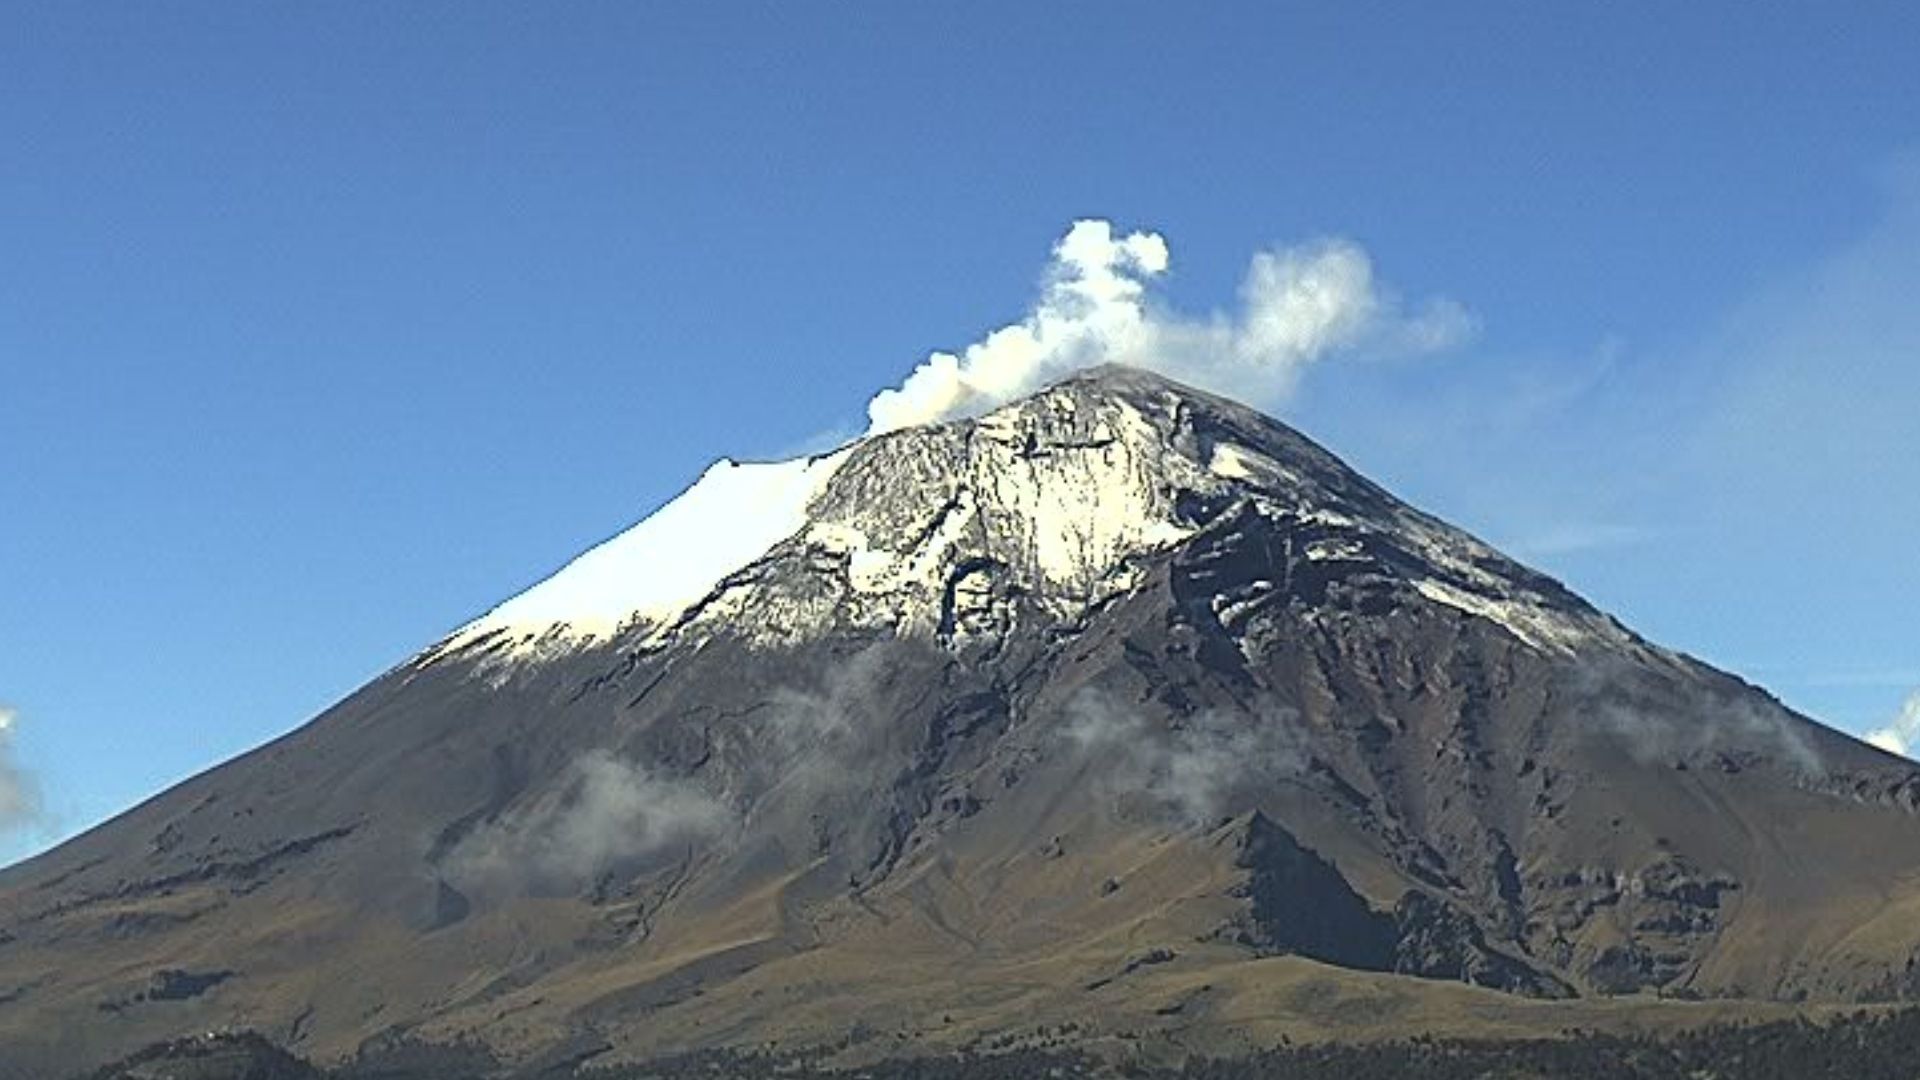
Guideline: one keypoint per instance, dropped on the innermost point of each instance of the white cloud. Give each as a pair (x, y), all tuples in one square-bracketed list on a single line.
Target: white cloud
[(608, 813), (1572, 537), (19, 790), (1195, 767), (1902, 736), (1297, 305)]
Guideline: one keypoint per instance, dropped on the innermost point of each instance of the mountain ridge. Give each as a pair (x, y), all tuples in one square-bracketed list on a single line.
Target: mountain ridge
[(1121, 706), (1187, 428)]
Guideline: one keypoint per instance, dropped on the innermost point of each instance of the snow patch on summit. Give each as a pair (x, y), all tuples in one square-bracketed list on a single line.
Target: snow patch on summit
[(651, 573), (1536, 625), (1055, 499)]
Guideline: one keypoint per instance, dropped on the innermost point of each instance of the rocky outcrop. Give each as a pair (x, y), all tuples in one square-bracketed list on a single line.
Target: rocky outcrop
[(1439, 941), (1301, 905), (1656, 923)]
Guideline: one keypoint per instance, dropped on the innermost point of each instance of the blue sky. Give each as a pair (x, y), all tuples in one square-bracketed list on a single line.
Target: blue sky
[(325, 327)]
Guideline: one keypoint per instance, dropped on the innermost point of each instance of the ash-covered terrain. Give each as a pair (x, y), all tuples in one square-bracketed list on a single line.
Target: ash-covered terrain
[(1121, 711)]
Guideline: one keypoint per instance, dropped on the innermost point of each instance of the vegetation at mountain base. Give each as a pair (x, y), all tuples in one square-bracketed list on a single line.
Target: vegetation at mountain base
[(1862, 1046)]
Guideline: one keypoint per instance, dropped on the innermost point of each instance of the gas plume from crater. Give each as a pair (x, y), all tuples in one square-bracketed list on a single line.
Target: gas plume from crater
[(1298, 305)]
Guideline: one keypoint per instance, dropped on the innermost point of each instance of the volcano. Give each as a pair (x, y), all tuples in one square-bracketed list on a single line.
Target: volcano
[(1121, 711)]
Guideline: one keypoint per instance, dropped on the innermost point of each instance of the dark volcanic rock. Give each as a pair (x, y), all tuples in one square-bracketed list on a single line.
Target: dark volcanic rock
[(1300, 904), (1438, 941), (1023, 699)]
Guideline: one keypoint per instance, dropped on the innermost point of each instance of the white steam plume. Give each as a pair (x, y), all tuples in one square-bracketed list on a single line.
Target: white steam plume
[(1194, 769), (1903, 735), (19, 791), (1298, 305), (609, 813), (1629, 707)]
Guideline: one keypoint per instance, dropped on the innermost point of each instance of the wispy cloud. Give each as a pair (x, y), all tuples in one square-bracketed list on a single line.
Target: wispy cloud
[(1902, 736), (1743, 488), (607, 814), (1193, 768), (1571, 538), (1622, 703), (1865, 678), (1814, 421), (1297, 305), (20, 804)]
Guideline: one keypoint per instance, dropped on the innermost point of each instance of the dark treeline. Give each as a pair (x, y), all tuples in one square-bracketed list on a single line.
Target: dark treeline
[(1859, 1047)]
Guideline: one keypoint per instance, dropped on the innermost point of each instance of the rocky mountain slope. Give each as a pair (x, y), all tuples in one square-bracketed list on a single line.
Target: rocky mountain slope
[(1121, 710)]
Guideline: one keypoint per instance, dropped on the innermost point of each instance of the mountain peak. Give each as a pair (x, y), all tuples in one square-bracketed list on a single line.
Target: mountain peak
[(1131, 381), (1053, 502), (1114, 690)]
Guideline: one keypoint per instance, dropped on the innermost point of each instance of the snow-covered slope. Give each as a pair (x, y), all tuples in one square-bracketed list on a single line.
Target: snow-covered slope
[(652, 572), (1054, 499)]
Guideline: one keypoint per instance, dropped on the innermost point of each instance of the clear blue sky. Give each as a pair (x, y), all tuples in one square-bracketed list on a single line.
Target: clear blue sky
[(323, 327)]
